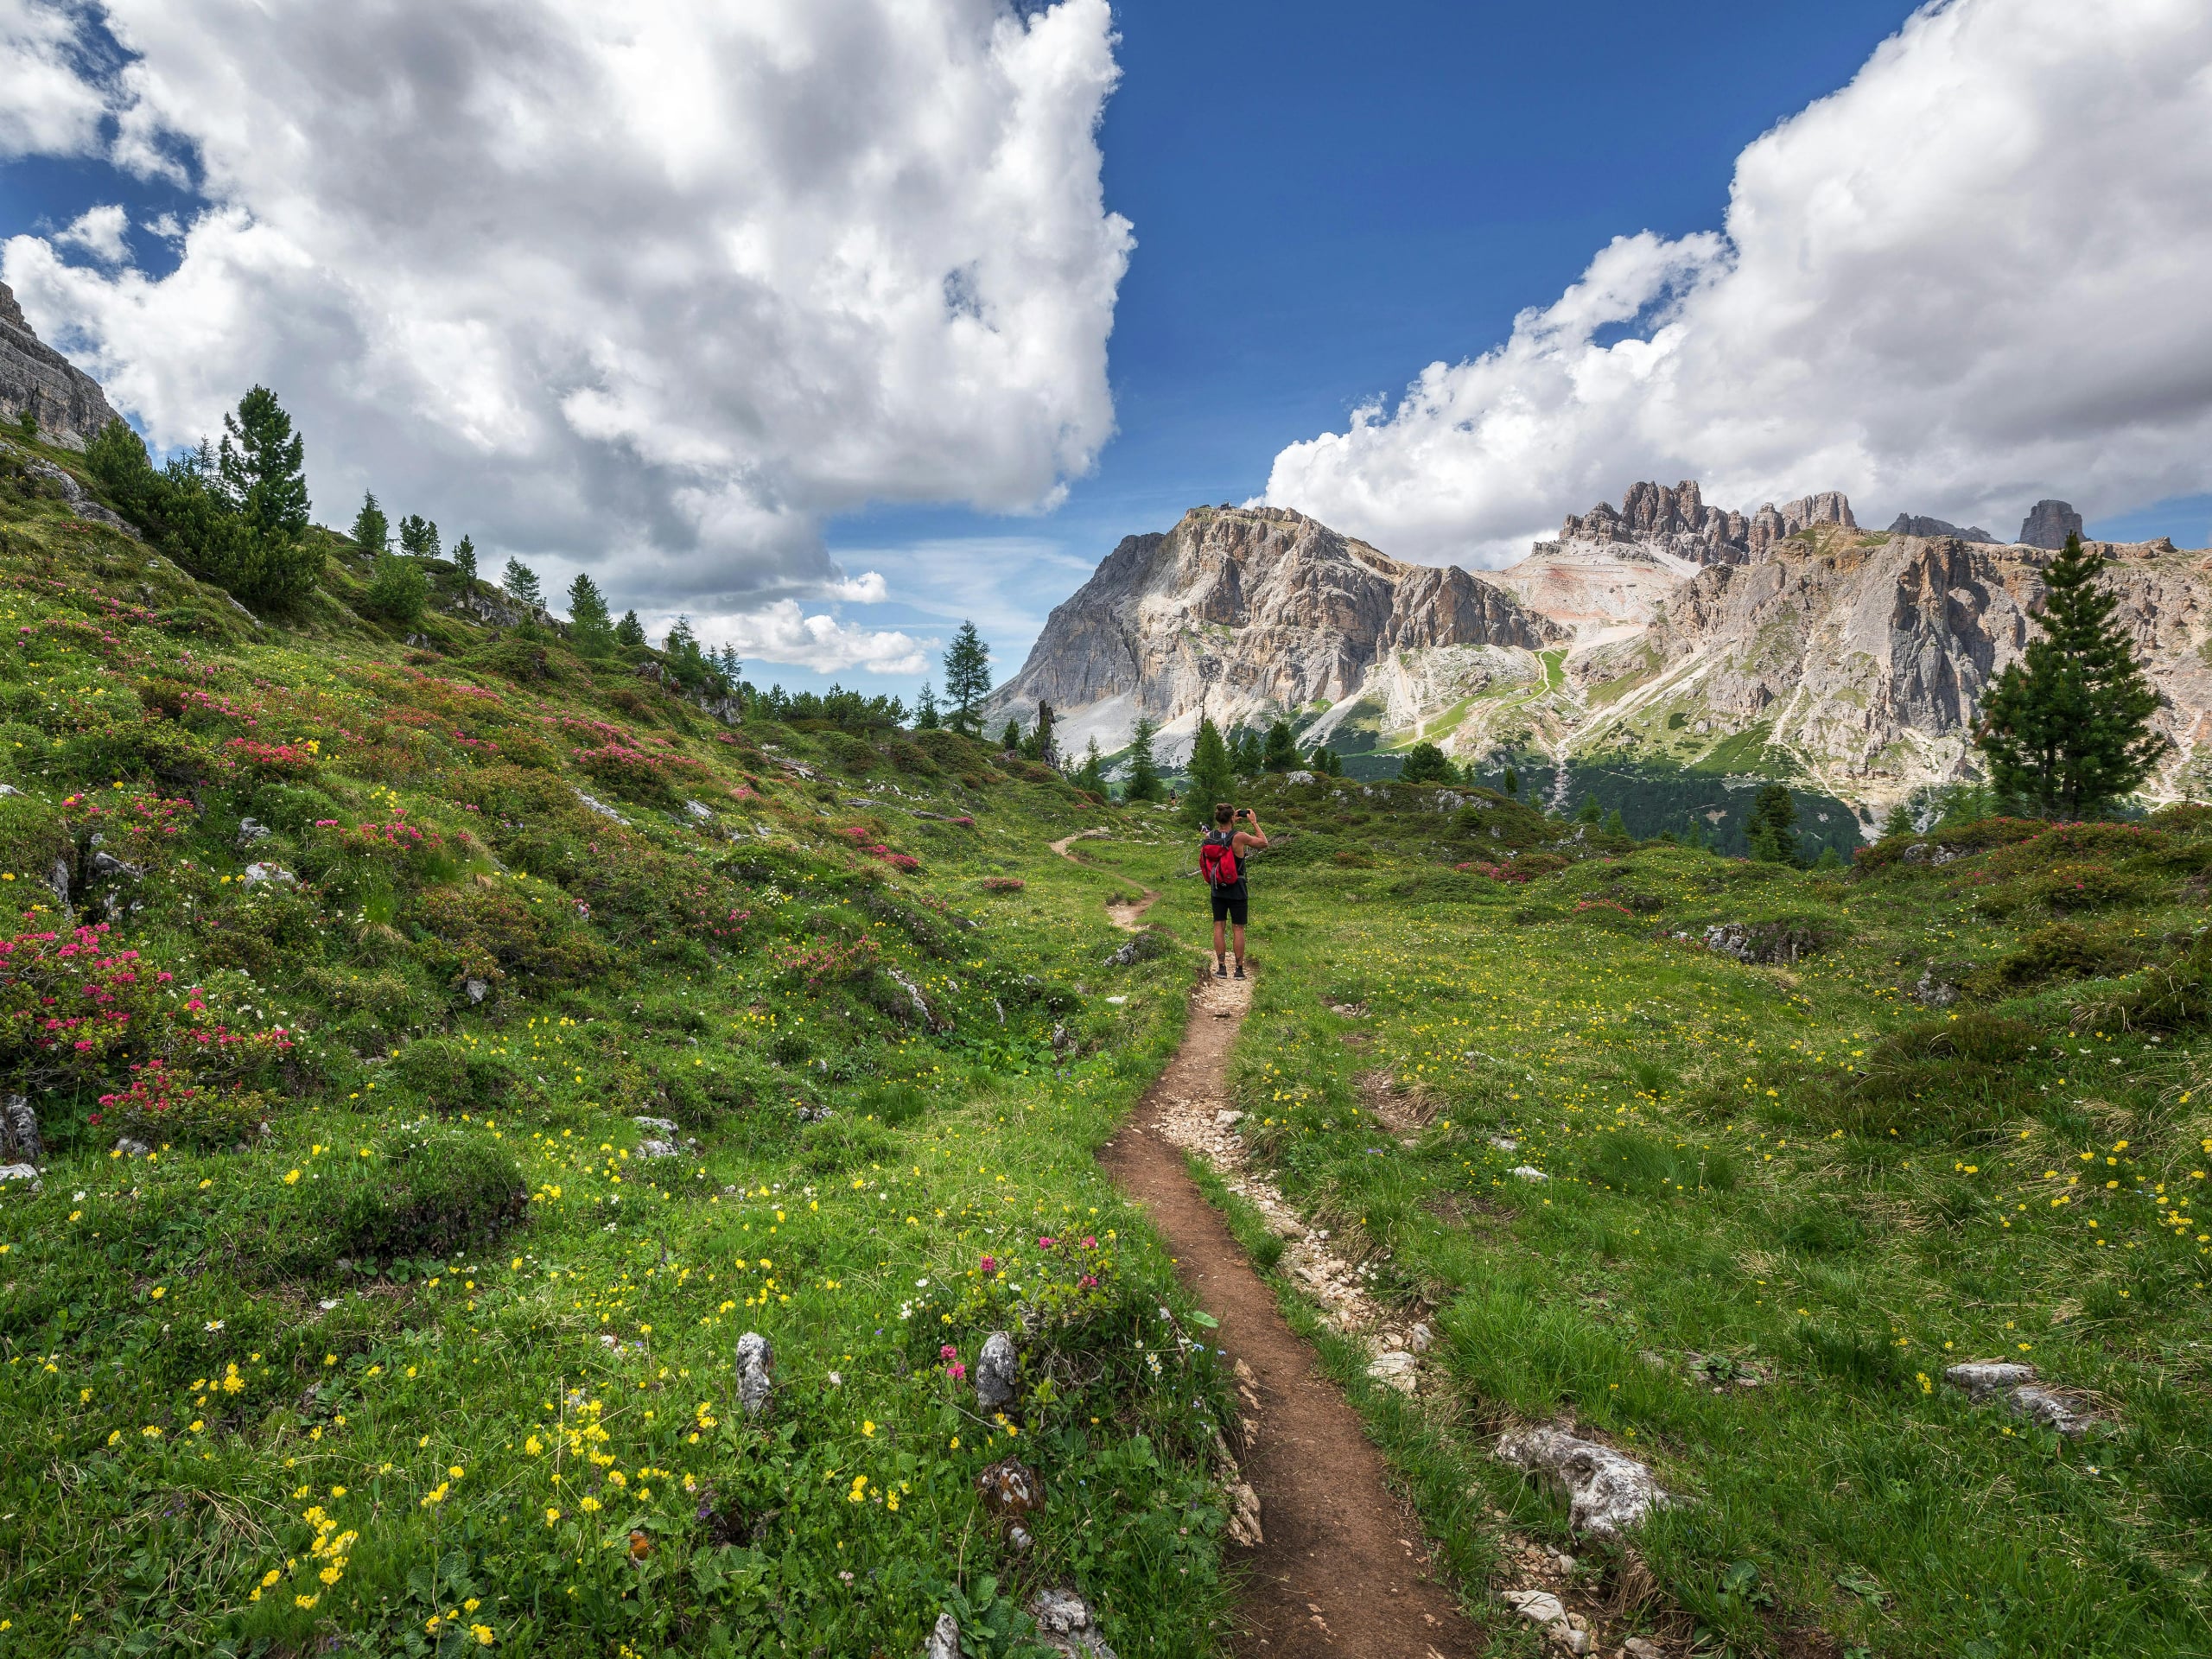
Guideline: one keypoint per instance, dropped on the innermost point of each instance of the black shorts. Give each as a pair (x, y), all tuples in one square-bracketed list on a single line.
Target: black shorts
[(1232, 903)]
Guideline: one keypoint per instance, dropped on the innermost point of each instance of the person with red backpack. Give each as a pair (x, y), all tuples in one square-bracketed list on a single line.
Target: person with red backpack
[(1221, 860)]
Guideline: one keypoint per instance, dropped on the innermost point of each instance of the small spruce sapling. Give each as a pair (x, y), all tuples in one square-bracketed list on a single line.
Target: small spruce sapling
[(926, 718), (1771, 830), (1212, 778), (1144, 782), (520, 582), (591, 628), (372, 529), (464, 561), (629, 630)]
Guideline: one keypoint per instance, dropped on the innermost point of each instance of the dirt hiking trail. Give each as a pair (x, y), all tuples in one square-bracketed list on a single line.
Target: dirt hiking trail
[(1340, 1569)]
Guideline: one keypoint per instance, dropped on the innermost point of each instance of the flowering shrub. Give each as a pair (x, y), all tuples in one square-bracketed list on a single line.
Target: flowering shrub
[(160, 1108), (1014, 883), (1496, 872), (74, 1010), (255, 759), (634, 773), (815, 963)]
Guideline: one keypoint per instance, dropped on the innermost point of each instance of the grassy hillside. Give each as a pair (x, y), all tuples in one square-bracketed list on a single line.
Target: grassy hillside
[(1969, 1121), (361, 1310)]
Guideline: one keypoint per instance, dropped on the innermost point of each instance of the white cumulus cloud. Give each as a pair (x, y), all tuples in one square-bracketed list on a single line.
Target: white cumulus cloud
[(100, 231), (650, 290), (1976, 275), (47, 105), (781, 631)]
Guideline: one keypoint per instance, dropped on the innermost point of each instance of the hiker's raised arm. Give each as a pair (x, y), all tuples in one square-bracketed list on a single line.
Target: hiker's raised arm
[(1251, 831)]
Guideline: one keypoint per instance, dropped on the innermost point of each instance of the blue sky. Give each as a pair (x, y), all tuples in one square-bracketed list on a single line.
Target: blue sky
[(1324, 200)]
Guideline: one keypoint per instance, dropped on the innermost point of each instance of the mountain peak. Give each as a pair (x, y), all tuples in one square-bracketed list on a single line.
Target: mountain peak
[(67, 402)]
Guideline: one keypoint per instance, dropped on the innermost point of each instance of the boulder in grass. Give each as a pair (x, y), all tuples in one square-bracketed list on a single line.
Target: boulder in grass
[(755, 1361), (1607, 1493), (998, 1375), (1064, 1625), (945, 1639)]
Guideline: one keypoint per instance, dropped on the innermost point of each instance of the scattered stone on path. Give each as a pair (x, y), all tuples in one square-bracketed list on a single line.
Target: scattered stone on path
[(755, 1359), (1638, 1647), (1244, 1515), (1421, 1340), (1542, 1608), (1064, 1625), (1396, 1370), (945, 1639), (1607, 1492), (997, 1373)]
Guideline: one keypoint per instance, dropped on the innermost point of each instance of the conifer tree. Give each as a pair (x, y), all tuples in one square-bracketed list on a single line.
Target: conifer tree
[(591, 628), (1144, 781), (925, 712), (418, 537), (1899, 822), (967, 679), (1771, 830), (399, 589), (260, 474), (1246, 752), (1091, 774), (1426, 764), (521, 583), (372, 529), (1590, 811), (629, 630), (464, 561), (1010, 739), (1211, 778), (1281, 753), (1512, 781), (1615, 823), (2068, 729)]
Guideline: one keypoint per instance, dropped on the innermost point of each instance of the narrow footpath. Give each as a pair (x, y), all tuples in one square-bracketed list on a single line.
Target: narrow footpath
[(1341, 1569)]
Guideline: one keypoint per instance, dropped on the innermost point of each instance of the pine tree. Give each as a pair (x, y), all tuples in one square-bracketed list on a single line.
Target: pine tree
[(1010, 739), (262, 466), (1771, 830), (1212, 778), (1426, 764), (372, 529), (1328, 762), (1512, 781), (1616, 824), (1144, 782), (1899, 822), (925, 714), (521, 583), (967, 679), (1281, 751), (591, 628), (1247, 754), (418, 537), (629, 630), (1590, 812), (464, 561), (2068, 729), (1091, 774), (260, 474)]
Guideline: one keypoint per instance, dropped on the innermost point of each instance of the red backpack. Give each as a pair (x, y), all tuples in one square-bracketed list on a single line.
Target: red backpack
[(1217, 860)]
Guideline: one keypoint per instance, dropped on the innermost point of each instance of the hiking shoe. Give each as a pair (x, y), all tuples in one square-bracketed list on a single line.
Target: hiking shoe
[(1221, 969), (1240, 970)]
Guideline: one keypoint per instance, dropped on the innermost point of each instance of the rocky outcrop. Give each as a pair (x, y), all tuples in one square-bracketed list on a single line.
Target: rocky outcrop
[(67, 402), (1913, 523), (1677, 523), (1241, 613), (2048, 524)]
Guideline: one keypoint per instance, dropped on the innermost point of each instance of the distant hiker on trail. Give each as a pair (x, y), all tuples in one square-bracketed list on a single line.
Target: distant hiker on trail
[(1221, 860)]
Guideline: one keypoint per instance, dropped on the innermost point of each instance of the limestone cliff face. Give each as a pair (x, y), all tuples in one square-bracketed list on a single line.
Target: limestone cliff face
[(1241, 613), (1860, 663), (68, 403)]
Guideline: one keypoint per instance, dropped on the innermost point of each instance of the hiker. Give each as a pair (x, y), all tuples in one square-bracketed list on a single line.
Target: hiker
[(1221, 860)]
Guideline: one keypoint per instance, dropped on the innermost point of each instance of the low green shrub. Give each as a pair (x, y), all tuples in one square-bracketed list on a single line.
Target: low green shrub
[(452, 1076)]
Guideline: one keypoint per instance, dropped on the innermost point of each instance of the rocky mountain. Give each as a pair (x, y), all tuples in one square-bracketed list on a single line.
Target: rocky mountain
[(1913, 523), (2048, 524), (1243, 613), (1665, 634), (66, 402)]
